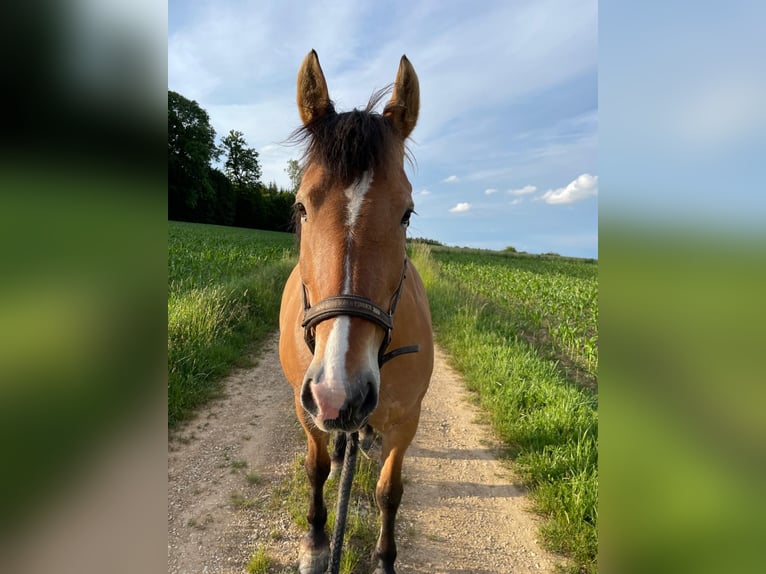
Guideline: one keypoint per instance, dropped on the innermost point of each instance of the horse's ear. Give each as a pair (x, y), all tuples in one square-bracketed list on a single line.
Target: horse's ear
[(405, 100), (313, 97)]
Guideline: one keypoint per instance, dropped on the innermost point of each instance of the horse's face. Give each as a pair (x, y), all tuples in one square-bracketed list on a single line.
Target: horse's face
[(354, 205)]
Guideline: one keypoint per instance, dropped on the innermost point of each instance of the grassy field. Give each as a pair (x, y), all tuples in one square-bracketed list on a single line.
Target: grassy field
[(224, 289), (523, 332), (553, 300)]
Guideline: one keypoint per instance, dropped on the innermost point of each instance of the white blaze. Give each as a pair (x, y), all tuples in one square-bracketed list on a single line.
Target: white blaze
[(336, 350), (355, 195)]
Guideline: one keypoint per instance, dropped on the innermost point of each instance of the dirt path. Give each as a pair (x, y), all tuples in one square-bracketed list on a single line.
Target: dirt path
[(461, 512)]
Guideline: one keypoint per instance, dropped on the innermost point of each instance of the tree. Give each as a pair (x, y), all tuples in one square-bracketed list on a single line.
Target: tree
[(191, 147), (249, 208), (295, 172), (199, 192), (243, 171), (223, 210), (241, 162), (277, 208)]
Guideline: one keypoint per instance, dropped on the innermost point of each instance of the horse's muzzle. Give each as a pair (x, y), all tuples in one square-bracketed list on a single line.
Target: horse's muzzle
[(336, 405)]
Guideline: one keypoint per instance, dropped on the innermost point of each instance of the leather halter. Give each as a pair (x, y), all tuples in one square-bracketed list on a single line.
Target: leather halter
[(356, 306)]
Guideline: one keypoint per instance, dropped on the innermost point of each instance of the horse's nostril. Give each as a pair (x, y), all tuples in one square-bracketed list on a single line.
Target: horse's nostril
[(307, 398), (370, 399)]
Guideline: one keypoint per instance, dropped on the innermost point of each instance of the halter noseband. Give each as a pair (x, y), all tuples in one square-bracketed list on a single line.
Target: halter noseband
[(356, 306)]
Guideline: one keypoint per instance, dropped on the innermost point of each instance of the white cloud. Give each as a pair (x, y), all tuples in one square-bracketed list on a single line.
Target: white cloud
[(583, 187), (423, 192), (526, 190), (450, 179), (516, 201), (461, 207), (490, 191)]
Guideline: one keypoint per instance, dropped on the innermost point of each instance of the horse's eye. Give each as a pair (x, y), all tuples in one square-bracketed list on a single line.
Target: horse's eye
[(301, 211), (406, 218)]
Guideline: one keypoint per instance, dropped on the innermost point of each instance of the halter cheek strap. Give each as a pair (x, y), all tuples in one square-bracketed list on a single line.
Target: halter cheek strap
[(356, 306)]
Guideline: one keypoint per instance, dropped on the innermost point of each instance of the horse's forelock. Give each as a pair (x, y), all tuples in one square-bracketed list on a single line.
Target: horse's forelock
[(351, 143)]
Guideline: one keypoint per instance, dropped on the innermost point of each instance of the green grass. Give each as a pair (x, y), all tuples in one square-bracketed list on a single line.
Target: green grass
[(259, 563), (238, 500), (552, 300), (224, 289), (498, 315), (253, 478)]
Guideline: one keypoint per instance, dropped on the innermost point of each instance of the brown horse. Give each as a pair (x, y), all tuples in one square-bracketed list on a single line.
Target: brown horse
[(354, 296)]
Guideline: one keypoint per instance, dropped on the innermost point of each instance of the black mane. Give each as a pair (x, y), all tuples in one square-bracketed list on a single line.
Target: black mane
[(350, 143)]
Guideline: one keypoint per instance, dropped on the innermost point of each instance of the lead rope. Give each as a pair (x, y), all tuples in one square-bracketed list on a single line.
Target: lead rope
[(344, 493)]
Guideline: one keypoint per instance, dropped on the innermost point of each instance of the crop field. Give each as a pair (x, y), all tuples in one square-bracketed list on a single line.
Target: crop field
[(523, 332), (553, 300), (204, 255), (224, 288)]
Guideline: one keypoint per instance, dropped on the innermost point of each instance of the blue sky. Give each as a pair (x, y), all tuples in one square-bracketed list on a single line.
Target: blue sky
[(682, 119), (506, 142)]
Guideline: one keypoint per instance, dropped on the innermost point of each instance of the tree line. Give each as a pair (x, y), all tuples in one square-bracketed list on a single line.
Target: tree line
[(200, 192)]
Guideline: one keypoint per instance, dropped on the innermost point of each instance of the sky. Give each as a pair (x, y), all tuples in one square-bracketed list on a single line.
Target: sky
[(682, 134), (506, 143)]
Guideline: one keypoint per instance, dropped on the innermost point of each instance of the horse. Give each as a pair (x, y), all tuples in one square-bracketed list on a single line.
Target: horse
[(356, 342)]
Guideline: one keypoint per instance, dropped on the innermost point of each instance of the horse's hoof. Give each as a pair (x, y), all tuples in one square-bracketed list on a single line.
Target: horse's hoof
[(384, 569), (313, 559)]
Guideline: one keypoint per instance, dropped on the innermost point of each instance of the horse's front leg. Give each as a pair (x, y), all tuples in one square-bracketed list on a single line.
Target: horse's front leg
[(314, 554), (389, 492)]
